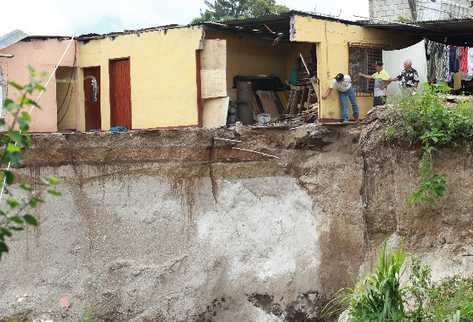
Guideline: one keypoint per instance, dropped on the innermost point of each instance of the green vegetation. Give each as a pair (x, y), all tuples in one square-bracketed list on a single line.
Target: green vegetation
[(380, 297), (20, 199), (221, 10), (423, 119)]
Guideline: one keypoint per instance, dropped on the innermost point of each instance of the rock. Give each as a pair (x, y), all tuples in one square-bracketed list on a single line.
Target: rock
[(344, 317)]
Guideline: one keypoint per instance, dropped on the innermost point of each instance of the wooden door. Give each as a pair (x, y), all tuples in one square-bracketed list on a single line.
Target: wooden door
[(93, 120), (120, 93)]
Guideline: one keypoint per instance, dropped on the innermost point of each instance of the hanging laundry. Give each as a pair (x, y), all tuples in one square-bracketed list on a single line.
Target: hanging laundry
[(464, 60), (470, 62), (438, 61), (457, 80), (445, 74), (453, 63), (430, 51)]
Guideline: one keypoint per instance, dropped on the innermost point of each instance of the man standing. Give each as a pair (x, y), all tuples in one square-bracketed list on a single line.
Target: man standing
[(381, 82), (409, 79), (342, 83)]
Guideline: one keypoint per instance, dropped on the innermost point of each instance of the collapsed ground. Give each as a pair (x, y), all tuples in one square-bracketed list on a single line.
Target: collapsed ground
[(247, 223)]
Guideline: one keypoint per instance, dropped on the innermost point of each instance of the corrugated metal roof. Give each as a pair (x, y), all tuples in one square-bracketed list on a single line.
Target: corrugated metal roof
[(46, 37), (287, 15), (93, 36), (12, 38), (239, 22), (457, 32)]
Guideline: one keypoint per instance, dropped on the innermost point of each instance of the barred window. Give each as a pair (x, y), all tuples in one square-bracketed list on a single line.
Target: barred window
[(362, 58)]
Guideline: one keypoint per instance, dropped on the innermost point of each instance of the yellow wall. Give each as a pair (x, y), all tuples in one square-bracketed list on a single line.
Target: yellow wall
[(252, 56), (332, 39), (66, 93), (163, 75)]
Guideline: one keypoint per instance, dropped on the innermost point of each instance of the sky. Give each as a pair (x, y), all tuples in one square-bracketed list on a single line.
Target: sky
[(66, 17)]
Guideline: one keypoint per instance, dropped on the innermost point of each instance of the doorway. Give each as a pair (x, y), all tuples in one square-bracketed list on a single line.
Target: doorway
[(120, 93), (93, 119)]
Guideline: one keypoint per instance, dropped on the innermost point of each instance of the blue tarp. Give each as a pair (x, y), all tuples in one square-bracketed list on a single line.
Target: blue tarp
[(118, 129)]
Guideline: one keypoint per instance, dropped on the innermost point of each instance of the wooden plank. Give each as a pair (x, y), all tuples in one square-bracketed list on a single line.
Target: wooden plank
[(247, 106), (198, 78), (284, 99), (316, 87), (294, 98), (269, 104), (214, 68)]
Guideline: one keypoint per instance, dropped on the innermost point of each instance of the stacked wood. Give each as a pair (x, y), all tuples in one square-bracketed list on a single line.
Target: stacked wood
[(298, 105)]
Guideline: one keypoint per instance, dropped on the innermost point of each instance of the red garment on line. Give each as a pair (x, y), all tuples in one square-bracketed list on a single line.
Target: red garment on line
[(464, 60)]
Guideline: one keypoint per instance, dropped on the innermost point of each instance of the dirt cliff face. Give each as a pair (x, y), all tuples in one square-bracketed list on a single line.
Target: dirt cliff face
[(441, 232), (245, 225)]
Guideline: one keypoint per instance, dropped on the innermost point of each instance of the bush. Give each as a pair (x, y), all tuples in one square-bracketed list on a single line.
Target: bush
[(380, 296), (424, 119), (451, 300)]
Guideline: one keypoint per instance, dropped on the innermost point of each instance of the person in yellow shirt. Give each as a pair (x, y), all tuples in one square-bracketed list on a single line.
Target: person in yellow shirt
[(381, 82)]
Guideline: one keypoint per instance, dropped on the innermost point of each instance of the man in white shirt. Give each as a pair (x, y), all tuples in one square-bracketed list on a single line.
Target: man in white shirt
[(343, 84)]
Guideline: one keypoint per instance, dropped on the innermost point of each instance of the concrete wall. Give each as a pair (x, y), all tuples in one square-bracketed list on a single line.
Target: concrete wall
[(163, 75), (43, 55), (390, 10), (444, 9), (332, 40), (425, 10)]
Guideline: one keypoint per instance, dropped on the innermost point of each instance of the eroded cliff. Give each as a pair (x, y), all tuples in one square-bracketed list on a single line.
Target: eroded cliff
[(194, 225)]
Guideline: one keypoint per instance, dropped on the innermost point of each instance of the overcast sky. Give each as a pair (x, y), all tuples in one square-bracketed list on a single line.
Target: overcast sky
[(65, 17)]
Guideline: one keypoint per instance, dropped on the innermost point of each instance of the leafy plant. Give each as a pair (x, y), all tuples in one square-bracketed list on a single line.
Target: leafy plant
[(21, 198), (433, 185), (380, 296), (221, 10), (451, 300), (418, 290), (424, 119)]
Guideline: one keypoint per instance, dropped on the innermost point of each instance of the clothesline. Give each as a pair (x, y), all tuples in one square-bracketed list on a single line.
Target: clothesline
[(449, 63)]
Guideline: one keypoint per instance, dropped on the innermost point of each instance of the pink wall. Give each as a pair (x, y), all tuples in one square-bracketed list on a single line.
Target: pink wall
[(43, 55)]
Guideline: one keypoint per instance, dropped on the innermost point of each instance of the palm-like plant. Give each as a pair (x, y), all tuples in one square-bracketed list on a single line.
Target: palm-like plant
[(379, 297)]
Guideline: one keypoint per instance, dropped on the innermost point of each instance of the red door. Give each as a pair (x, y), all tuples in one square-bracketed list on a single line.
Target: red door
[(120, 93), (93, 120)]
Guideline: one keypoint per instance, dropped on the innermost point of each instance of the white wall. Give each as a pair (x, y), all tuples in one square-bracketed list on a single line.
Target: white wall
[(392, 10), (394, 60), (443, 9)]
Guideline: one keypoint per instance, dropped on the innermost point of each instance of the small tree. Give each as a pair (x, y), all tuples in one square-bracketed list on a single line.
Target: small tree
[(19, 198), (220, 10)]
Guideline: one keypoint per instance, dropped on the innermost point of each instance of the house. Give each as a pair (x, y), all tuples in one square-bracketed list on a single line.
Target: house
[(43, 53), (445, 25), (186, 76)]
